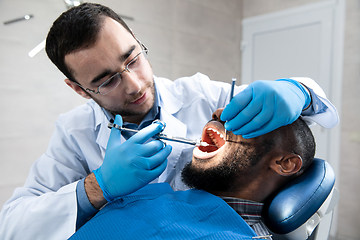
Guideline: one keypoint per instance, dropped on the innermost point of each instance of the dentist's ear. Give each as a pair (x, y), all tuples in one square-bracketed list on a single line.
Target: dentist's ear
[(287, 165), (77, 88)]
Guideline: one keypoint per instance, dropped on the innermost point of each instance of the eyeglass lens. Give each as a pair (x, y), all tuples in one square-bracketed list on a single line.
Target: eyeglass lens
[(115, 80)]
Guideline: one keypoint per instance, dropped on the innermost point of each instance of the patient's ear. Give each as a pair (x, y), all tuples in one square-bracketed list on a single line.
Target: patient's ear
[(287, 165), (77, 88)]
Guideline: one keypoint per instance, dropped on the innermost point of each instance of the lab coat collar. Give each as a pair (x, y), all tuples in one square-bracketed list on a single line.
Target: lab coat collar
[(167, 101)]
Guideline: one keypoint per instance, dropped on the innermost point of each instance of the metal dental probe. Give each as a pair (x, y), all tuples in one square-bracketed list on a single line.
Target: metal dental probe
[(232, 88), (162, 136), (231, 93)]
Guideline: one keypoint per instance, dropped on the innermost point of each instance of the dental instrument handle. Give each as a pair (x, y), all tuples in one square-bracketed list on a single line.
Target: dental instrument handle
[(163, 136), (232, 88)]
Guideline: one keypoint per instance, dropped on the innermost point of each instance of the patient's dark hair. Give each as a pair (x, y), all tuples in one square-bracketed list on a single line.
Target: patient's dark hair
[(76, 29), (298, 138)]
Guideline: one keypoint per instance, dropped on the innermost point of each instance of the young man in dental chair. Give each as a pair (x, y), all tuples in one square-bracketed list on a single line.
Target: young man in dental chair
[(230, 178)]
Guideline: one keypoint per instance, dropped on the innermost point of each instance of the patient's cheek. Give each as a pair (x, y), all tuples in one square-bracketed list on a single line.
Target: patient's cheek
[(232, 137)]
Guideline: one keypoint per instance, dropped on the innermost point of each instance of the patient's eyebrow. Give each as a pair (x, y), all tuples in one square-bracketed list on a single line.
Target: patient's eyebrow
[(107, 72)]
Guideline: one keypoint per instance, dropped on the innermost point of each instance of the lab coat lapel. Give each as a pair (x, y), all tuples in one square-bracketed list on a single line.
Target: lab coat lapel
[(174, 127), (103, 136), (101, 123), (103, 130)]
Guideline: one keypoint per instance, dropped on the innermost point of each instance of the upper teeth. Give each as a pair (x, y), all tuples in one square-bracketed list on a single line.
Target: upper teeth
[(217, 132), (211, 132)]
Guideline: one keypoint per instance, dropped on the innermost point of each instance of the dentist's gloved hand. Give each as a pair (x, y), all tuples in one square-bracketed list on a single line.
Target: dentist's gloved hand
[(131, 165), (265, 106)]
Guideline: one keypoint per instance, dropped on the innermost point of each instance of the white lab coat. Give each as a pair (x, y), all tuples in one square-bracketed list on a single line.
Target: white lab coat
[(46, 206)]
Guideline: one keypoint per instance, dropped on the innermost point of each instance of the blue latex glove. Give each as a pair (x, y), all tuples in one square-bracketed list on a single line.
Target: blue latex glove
[(265, 106), (131, 165)]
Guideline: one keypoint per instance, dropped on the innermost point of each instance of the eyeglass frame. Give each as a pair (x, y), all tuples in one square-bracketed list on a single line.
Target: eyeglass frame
[(145, 50)]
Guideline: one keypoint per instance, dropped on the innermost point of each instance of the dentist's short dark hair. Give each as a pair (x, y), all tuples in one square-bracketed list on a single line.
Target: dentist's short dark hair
[(76, 29)]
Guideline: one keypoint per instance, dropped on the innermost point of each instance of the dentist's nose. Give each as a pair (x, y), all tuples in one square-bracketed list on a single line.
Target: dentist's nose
[(131, 83)]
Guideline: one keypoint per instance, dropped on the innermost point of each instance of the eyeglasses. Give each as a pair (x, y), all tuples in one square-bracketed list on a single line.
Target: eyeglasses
[(114, 81)]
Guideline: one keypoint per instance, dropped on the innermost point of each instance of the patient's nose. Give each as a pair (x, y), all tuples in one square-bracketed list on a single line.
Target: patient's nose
[(217, 113)]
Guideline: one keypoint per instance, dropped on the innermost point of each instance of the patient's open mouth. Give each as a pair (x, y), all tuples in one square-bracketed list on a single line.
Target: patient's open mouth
[(214, 138), (214, 135)]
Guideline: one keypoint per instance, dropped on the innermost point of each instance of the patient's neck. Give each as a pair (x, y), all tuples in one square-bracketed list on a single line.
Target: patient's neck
[(248, 195), (256, 190)]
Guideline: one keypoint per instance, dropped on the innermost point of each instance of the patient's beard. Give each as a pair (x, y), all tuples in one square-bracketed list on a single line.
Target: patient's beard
[(215, 179), (223, 177)]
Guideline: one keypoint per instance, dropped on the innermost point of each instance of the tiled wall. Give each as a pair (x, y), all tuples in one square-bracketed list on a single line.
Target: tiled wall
[(184, 37)]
